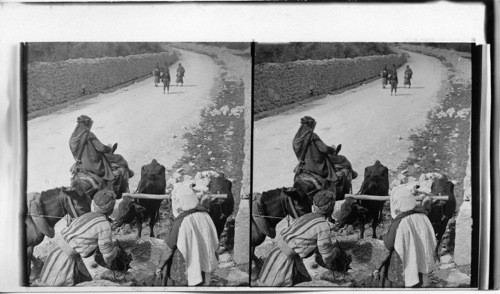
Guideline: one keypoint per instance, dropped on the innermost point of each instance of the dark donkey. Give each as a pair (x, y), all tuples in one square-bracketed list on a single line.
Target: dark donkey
[(376, 182), (45, 210), (153, 181), (269, 208)]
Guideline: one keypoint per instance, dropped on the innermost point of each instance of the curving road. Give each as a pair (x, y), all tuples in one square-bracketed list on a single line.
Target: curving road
[(146, 123), (369, 123)]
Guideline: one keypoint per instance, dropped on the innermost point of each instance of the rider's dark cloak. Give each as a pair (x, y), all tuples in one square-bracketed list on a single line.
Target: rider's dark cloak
[(315, 159), (93, 159)]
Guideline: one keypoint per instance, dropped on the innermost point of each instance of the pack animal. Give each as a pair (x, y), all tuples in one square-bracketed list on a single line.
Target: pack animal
[(153, 181), (47, 208), (268, 209), (91, 183), (440, 213), (376, 182), (221, 209)]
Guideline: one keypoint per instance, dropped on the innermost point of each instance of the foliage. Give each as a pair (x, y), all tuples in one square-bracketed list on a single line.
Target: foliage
[(229, 45), (461, 47), (286, 52), (59, 51)]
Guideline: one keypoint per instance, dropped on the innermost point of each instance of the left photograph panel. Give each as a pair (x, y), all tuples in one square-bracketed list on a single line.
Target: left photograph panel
[(138, 164)]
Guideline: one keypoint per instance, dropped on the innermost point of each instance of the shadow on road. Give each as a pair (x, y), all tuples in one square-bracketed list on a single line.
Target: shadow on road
[(403, 94), (184, 86)]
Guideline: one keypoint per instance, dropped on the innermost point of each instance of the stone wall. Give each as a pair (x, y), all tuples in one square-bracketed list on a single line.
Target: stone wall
[(53, 83), (279, 84)]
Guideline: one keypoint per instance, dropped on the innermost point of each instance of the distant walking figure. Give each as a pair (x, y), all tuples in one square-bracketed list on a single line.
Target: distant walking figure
[(384, 75), (408, 76), (166, 80), (180, 75), (393, 78), (156, 75)]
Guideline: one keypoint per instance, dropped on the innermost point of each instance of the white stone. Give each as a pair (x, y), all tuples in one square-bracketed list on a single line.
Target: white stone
[(446, 258), (395, 183), (401, 177), (198, 176), (171, 182), (412, 180), (416, 165), (177, 176), (422, 178), (225, 257), (201, 184), (224, 109), (209, 153), (425, 187), (446, 266), (187, 178), (450, 112), (191, 164)]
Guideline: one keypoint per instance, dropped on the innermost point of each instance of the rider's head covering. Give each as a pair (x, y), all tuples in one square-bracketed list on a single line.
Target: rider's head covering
[(324, 202), (104, 201), (402, 200), (79, 136), (307, 120), (84, 119)]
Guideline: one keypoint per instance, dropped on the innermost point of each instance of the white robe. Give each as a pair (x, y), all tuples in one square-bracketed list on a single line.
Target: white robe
[(198, 242), (415, 243)]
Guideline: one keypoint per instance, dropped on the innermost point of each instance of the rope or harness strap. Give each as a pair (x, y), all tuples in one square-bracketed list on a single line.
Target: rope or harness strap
[(292, 206)]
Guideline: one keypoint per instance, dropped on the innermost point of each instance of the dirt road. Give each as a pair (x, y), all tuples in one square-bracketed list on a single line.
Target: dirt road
[(146, 123), (369, 123)]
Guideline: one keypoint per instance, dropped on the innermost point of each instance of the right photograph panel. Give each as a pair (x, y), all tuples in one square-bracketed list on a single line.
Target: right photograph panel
[(361, 165)]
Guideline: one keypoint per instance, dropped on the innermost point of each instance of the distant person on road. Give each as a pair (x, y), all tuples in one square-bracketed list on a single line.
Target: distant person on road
[(408, 76), (384, 75), (393, 79), (180, 75), (156, 75), (166, 80)]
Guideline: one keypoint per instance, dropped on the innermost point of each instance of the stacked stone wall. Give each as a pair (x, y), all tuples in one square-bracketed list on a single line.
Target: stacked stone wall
[(279, 84), (53, 83)]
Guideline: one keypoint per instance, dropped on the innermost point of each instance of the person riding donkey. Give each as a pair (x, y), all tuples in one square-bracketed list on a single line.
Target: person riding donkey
[(96, 159), (319, 162)]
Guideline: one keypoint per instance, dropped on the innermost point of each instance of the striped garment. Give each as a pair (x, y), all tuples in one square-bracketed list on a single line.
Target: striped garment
[(306, 234), (64, 265)]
